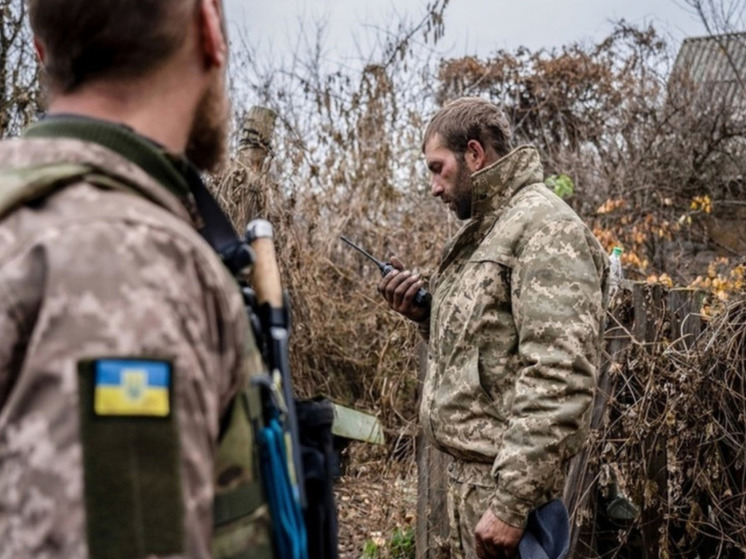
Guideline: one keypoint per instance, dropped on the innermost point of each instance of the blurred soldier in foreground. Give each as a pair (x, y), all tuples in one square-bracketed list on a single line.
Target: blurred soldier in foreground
[(123, 338), (514, 329)]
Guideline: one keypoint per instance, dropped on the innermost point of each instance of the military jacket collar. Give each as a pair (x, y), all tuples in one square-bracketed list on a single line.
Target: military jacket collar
[(492, 189), (168, 169), (495, 185)]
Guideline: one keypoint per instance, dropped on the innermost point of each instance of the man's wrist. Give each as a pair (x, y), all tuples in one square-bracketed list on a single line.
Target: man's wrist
[(513, 513)]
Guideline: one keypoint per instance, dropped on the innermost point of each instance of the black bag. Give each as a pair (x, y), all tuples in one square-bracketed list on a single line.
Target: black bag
[(315, 418)]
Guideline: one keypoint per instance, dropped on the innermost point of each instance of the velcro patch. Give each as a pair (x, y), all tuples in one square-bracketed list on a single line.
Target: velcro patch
[(131, 459), (132, 387)]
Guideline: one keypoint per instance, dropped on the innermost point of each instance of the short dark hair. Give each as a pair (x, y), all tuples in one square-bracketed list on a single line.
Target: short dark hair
[(85, 40), (470, 118)]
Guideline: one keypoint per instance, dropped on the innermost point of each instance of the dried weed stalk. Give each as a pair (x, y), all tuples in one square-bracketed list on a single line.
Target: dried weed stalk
[(346, 161)]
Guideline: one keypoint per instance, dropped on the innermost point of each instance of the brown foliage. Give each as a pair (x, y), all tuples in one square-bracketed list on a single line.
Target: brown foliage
[(640, 146), (346, 162), (651, 160)]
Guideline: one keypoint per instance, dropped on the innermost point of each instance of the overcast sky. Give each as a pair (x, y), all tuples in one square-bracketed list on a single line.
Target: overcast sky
[(472, 26)]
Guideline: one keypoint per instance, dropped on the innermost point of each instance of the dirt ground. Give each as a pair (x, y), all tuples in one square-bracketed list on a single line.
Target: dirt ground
[(375, 496)]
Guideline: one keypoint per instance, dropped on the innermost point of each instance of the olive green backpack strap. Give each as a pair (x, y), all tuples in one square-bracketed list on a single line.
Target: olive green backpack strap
[(25, 185), (240, 512)]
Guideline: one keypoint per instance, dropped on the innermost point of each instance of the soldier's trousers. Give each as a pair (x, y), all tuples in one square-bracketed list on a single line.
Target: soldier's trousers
[(470, 489)]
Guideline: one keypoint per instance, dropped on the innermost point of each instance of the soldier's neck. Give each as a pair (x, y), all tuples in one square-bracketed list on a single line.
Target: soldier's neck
[(162, 113)]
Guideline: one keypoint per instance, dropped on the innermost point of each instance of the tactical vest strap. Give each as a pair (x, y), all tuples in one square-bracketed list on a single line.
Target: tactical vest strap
[(25, 185), (240, 502), (241, 517)]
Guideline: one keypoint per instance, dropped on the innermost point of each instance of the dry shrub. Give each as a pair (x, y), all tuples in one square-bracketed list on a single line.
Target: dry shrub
[(346, 161), (673, 441), (718, 470), (657, 161)]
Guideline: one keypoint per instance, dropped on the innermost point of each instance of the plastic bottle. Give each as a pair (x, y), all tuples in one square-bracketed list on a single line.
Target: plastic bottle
[(615, 271)]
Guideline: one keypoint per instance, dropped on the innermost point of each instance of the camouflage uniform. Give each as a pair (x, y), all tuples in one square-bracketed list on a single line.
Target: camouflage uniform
[(87, 273), (514, 332)]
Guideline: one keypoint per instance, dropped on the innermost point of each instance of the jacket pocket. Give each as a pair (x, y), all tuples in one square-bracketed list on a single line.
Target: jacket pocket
[(490, 327)]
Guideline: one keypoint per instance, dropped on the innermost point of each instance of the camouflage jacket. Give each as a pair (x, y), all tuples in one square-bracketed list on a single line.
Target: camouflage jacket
[(514, 335), (88, 273)]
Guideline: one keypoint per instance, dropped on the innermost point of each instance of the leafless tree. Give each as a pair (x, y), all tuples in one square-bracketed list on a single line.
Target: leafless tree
[(19, 74)]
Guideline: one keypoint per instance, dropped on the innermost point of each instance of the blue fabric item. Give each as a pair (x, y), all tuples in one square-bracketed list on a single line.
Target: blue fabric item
[(288, 526), (547, 534)]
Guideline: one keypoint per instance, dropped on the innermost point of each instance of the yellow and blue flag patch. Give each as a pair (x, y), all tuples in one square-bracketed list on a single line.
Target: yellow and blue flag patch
[(127, 387)]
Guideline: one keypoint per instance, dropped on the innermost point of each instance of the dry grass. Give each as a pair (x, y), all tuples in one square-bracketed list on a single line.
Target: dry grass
[(347, 161), (376, 496)]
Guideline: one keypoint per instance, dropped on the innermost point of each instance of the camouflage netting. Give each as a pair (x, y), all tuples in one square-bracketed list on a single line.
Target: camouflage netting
[(672, 441)]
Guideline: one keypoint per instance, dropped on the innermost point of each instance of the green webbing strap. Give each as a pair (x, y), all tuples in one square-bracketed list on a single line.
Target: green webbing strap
[(240, 514), (238, 503), (28, 184)]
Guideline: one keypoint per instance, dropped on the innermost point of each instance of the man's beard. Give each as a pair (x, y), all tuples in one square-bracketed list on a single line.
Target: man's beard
[(207, 146), (462, 190)]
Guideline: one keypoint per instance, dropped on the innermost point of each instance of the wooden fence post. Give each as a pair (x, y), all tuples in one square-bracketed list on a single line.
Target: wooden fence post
[(244, 189), (650, 318), (431, 530), (256, 137), (581, 485), (684, 307)]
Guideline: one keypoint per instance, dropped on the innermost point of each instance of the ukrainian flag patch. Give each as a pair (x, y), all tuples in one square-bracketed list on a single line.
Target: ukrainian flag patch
[(132, 387)]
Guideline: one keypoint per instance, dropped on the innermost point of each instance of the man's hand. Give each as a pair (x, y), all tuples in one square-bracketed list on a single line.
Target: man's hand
[(495, 539), (399, 287)]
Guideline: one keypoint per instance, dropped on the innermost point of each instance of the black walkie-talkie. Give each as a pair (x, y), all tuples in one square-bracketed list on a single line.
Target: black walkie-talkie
[(422, 297)]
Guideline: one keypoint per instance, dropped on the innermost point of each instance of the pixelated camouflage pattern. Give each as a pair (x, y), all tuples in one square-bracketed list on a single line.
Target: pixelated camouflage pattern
[(515, 334), (87, 273), (470, 493)]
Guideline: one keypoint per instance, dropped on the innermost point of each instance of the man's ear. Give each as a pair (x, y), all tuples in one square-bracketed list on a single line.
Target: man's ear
[(475, 156), (212, 33), (41, 52)]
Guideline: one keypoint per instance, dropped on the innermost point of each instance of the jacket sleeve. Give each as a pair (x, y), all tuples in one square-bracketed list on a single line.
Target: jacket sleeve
[(116, 290), (558, 310)]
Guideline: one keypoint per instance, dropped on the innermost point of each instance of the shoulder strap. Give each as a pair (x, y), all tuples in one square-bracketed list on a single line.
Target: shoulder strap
[(26, 185)]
